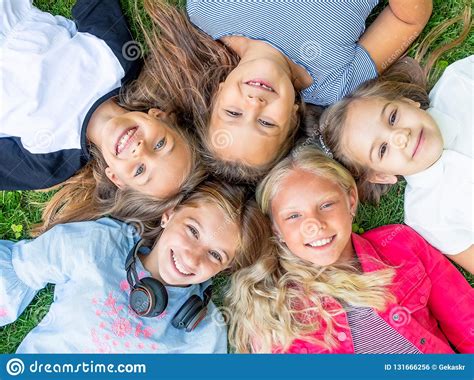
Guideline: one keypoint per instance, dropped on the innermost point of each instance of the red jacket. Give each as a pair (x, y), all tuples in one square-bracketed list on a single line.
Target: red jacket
[(435, 303)]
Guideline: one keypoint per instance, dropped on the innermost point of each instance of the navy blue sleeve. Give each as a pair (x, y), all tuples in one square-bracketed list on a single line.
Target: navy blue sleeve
[(22, 170), (105, 20)]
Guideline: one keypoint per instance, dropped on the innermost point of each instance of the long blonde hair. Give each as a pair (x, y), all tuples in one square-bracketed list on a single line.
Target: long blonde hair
[(183, 69), (281, 297)]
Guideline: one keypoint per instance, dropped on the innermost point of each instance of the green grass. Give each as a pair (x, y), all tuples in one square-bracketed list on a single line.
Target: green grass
[(23, 208)]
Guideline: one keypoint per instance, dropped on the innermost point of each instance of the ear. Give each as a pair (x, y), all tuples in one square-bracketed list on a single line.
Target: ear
[(166, 217), (412, 102), (353, 200), (157, 113), (116, 180), (377, 177)]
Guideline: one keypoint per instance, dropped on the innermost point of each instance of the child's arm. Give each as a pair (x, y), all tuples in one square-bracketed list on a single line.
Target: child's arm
[(465, 259), (394, 30), (27, 266), (451, 299)]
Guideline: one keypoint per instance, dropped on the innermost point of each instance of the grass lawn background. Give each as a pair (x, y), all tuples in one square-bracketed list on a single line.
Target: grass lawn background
[(19, 210)]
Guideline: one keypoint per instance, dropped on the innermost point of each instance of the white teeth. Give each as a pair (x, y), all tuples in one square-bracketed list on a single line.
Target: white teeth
[(179, 266), (124, 139), (260, 85), (320, 243)]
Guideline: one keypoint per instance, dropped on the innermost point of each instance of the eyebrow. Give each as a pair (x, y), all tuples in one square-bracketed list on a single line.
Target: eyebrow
[(327, 195)]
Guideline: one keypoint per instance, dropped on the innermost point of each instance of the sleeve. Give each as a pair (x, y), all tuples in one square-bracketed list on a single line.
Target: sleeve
[(23, 170), (344, 80), (27, 266), (105, 20), (451, 299)]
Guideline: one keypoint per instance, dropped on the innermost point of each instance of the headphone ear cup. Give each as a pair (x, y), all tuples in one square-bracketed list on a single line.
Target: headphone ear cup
[(149, 298), (190, 314)]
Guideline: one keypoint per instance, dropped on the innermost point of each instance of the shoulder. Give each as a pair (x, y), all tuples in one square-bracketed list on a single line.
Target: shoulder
[(395, 239)]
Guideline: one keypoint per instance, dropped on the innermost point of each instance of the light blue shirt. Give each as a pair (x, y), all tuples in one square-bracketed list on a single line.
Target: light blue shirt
[(90, 312), (320, 35)]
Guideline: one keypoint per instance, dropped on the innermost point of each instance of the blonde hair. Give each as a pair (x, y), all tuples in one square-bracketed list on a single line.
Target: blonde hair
[(281, 298), (183, 70), (394, 85)]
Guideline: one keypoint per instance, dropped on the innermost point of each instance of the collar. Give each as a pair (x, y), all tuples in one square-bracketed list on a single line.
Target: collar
[(429, 177), (368, 256)]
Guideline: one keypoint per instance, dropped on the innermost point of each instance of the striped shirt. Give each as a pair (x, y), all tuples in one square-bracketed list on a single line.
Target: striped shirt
[(320, 35), (372, 335)]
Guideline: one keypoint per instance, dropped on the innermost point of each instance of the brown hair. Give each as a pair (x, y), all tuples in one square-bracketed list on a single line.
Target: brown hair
[(184, 68), (332, 121)]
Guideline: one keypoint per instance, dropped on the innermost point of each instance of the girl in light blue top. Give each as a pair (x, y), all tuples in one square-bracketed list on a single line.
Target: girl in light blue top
[(108, 296)]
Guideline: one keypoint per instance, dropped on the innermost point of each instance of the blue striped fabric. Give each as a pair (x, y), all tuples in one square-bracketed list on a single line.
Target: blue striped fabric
[(320, 35), (372, 335)]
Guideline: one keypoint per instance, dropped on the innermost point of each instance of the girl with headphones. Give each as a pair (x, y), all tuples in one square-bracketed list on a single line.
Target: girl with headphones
[(115, 292)]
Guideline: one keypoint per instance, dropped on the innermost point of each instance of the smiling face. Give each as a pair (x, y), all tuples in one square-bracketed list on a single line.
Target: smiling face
[(253, 113), (142, 152), (312, 216), (195, 245), (391, 137)]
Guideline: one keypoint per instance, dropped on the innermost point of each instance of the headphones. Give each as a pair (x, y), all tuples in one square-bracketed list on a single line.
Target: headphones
[(149, 298)]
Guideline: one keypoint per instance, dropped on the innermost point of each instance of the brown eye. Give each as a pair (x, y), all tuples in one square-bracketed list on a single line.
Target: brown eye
[(383, 150), (232, 113)]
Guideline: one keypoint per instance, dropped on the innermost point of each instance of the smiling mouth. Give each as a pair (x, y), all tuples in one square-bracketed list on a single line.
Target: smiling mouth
[(124, 140), (260, 84), (178, 266), (321, 243), (418, 143)]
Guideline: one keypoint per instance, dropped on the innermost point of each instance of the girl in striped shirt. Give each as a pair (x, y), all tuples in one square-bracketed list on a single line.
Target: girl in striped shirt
[(244, 74)]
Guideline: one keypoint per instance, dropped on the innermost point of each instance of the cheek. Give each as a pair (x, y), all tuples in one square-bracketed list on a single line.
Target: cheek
[(291, 234)]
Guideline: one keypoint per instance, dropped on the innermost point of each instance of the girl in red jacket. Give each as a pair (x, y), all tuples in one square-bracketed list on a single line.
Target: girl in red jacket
[(325, 289)]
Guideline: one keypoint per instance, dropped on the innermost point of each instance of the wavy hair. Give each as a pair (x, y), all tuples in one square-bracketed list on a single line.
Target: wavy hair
[(282, 298)]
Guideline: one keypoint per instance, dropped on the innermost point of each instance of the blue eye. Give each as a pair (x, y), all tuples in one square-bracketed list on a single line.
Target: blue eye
[(193, 231), (233, 113), (292, 216), (327, 205), (266, 123), (160, 144), (140, 170), (216, 255)]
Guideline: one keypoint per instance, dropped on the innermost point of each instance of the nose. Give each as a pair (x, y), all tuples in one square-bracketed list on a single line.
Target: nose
[(192, 256), (138, 149), (400, 138), (255, 100), (311, 227)]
